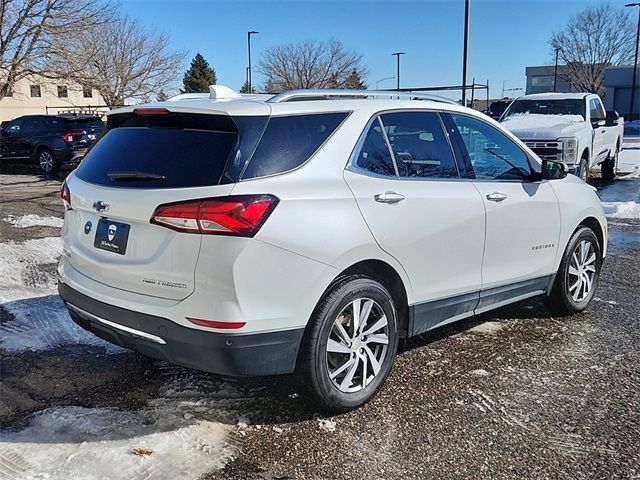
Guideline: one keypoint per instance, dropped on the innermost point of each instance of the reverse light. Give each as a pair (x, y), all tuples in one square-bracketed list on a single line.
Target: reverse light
[(240, 215), (65, 194), (217, 324)]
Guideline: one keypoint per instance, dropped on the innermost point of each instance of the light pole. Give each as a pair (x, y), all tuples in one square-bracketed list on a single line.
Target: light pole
[(249, 50), (635, 62), (555, 70), (397, 54), (467, 8), (382, 80)]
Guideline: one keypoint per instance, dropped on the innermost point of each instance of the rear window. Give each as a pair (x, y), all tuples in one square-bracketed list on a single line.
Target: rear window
[(167, 151), (62, 124), (290, 141)]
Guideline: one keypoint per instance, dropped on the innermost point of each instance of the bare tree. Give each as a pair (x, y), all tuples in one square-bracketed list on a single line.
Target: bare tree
[(122, 60), (31, 29), (592, 40), (309, 64)]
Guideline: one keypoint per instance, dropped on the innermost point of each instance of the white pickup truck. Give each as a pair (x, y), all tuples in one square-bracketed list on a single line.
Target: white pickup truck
[(568, 127)]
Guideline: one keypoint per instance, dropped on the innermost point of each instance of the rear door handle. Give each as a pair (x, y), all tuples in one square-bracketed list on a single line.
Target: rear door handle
[(388, 197), (496, 196)]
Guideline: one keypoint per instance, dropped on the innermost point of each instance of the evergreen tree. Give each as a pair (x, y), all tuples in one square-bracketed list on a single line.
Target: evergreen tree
[(245, 88), (354, 81), (199, 76), (162, 96)]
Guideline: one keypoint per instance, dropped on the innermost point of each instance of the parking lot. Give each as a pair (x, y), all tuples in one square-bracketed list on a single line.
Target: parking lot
[(512, 394)]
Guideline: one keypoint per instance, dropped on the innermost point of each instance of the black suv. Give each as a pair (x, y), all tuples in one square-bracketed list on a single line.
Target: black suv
[(51, 140)]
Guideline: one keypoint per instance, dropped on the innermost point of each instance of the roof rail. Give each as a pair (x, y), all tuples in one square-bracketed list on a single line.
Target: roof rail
[(327, 94)]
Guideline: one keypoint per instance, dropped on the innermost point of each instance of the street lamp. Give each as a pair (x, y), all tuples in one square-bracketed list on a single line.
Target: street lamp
[(249, 49), (467, 8), (382, 80), (397, 54), (635, 62), (555, 70)]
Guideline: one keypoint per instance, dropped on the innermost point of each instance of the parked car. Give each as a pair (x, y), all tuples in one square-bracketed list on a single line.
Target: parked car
[(309, 233), (49, 140), (569, 127), (497, 108)]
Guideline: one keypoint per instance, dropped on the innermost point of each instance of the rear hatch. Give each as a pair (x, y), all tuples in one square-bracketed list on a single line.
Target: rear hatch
[(144, 160)]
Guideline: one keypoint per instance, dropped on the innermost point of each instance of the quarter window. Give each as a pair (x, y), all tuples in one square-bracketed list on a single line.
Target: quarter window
[(290, 141), (33, 126), (374, 155), (492, 154), (419, 145)]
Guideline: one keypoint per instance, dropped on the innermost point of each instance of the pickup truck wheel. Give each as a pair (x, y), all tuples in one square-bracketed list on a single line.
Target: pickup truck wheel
[(350, 344), (583, 170), (610, 166), (577, 277)]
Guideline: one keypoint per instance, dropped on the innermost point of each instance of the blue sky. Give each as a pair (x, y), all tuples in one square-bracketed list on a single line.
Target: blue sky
[(506, 35)]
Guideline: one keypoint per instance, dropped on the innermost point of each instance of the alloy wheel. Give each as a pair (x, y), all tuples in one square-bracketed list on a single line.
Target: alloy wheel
[(357, 345), (582, 271), (584, 171), (46, 161)]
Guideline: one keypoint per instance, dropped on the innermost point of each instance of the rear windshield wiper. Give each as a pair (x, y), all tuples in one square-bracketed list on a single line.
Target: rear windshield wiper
[(134, 176)]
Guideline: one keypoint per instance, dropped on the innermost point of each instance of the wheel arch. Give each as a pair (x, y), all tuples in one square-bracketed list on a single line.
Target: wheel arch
[(600, 231), (389, 277)]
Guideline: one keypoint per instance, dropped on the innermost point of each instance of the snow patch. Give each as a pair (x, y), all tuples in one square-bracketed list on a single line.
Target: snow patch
[(519, 121), (327, 425), (479, 372), (31, 220), (94, 443), (487, 327)]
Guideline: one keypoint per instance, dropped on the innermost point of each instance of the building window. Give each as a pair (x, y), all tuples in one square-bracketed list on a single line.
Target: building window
[(62, 91), (35, 91), (546, 81), (87, 92)]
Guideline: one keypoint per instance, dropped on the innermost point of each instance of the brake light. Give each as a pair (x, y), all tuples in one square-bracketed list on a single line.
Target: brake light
[(217, 324), (240, 215), (71, 136), (146, 112), (65, 194)]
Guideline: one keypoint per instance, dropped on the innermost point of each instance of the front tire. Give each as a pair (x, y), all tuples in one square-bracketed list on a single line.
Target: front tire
[(350, 344), (47, 161), (578, 275), (583, 170)]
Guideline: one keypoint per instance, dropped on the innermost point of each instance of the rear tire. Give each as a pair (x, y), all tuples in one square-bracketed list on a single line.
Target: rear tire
[(578, 274), (342, 363), (610, 167), (47, 161)]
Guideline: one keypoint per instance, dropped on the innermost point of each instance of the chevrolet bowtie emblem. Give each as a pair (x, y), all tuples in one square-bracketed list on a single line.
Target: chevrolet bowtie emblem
[(100, 206)]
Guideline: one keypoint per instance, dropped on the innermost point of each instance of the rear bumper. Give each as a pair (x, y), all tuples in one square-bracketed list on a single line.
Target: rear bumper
[(238, 355)]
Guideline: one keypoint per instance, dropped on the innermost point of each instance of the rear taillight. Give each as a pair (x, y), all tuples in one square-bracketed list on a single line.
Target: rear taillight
[(65, 194), (240, 215), (71, 136)]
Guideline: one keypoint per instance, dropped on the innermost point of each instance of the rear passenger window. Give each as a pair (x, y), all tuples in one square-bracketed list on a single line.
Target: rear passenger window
[(419, 145), (374, 155), (290, 141)]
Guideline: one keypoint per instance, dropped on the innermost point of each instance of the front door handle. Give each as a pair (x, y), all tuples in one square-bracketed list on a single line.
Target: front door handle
[(388, 197), (496, 196)]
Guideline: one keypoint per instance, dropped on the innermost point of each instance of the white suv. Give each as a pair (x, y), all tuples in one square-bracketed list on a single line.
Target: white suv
[(311, 231)]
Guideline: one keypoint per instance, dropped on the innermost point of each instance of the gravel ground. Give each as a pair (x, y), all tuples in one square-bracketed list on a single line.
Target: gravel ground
[(512, 394)]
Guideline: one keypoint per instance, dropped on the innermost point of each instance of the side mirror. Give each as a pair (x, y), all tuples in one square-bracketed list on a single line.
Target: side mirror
[(613, 118), (554, 170), (598, 122)]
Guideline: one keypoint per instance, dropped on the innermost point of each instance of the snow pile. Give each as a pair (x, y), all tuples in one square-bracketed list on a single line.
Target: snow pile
[(31, 220), (519, 121), (621, 199)]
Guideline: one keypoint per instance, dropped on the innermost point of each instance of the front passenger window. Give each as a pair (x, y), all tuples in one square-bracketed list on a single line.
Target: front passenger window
[(493, 155)]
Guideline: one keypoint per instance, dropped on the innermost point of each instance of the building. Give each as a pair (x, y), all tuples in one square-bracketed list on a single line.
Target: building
[(39, 95), (540, 80), (617, 83)]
